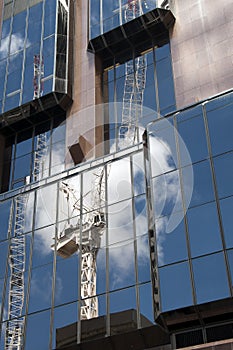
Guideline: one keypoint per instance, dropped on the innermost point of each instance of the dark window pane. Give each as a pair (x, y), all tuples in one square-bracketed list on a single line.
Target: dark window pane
[(24, 146), (11, 102), (226, 206), (203, 229), (34, 32), (15, 62), (210, 278), (224, 174), (175, 285), (230, 259), (190, 131), (6, 27), (22, 167), (14, 81), (19, 21), (203, 188), (220, 127), (171, 247)]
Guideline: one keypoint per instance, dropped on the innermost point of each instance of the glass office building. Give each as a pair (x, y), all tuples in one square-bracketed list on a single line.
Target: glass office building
[(131, 225)]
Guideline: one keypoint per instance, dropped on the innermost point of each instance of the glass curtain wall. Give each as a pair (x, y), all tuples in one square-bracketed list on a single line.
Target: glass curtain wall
[(105, 15), (53, 296), (33, 51), (193, 228), (195, 257), (147, 81), (37, 148)]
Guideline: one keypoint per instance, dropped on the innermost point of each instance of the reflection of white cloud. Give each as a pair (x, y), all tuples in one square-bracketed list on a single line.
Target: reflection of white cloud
[(16, 44), (119, 189)]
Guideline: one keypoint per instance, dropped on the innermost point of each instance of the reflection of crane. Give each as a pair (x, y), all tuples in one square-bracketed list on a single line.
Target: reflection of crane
[(135, 81), (85, 236), (38, 65), (17, 255)]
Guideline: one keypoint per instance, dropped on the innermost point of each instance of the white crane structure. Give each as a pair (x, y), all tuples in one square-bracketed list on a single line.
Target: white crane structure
[(17, 255), (84, 236), (38, 65), (135, 82)]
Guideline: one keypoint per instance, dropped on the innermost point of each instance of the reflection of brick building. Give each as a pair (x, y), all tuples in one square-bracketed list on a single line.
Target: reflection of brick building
[(160, 240)]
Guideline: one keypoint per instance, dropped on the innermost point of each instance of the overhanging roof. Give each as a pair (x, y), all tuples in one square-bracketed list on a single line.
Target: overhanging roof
[(116, 44)]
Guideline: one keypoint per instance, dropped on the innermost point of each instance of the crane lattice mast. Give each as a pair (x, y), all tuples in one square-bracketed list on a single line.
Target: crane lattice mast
[(38, 65), (135, 81), (85, 236), (16, 259)]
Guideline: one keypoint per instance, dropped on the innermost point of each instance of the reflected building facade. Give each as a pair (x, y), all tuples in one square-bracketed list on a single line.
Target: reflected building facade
[(114, 115)]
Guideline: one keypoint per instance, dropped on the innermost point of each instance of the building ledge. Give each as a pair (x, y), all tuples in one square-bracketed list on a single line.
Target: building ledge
[(116, 45), (52, 104), (125, 334)]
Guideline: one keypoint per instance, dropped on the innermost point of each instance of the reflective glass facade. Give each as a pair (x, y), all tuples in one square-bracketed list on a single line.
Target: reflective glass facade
[(143, 224), (34, 51), (193, 264), (197, 253), (105, 15)]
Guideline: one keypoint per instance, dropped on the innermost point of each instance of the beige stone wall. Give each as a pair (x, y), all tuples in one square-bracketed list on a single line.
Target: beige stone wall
[(202, 49), (81, 116)]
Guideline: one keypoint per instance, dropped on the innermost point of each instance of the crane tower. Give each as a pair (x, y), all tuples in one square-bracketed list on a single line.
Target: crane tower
[(17, 255), (85, 236), (135, 81)]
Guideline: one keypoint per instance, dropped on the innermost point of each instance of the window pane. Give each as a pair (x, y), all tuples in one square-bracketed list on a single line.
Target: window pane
[(66, 289), (4, 217), (175, 285), (230, 259), (203, 229), (38, 340), (224, 174), (220, 123), (171, 246), (226, 206), (190, 131), (22, 167), (203, 189), (210, 278)]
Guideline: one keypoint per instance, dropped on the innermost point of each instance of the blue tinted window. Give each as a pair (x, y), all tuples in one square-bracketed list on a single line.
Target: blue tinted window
[(190, 131), (4, 47), (175, 286), (14, 81), (19, 21), (226, 206), (4, 217), (50, 7), (203, 188), (224, 174), (49, 25), (171, 246), (220, 123), (22, 167), (203, 229), (34, 32), (210, 278), (35, 12), (11, 102), (15, 62), (6, 27), (230, 259)]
